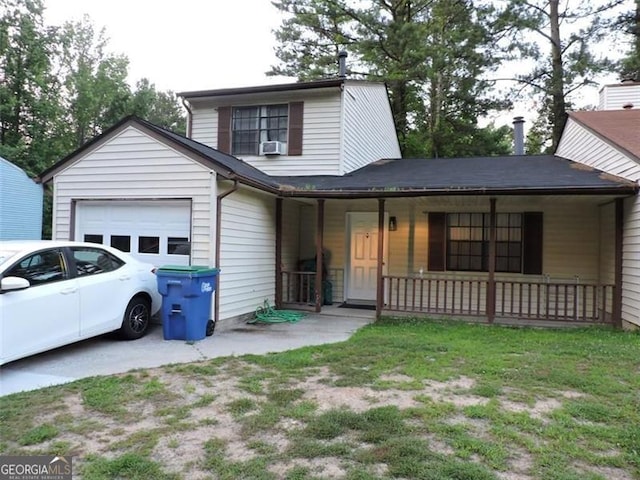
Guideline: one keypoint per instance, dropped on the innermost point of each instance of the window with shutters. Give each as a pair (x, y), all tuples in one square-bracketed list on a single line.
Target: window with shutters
[(460, 242), (251, 126), (468, 242)]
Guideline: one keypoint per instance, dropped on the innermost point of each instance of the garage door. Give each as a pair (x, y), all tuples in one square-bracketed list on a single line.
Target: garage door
[(157, 232)]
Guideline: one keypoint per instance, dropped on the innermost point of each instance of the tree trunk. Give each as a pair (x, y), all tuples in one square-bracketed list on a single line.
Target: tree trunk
[(558, 109)]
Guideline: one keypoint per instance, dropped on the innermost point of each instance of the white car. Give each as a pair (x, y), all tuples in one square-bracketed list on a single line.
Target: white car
[(53, 293)]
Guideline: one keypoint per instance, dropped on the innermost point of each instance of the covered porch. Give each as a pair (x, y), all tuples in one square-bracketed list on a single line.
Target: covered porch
[(518, 259)]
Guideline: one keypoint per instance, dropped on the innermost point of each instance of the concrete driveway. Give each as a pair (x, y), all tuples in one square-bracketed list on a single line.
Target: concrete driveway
[(107, 355)]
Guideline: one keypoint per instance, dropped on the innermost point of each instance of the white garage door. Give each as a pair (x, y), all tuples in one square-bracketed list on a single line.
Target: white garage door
[(157, 232)]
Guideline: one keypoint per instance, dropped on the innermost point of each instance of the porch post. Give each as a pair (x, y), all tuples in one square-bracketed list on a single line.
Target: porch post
[(278, 300), (319, 260), (491, 285), (616, 308), (379, 283)]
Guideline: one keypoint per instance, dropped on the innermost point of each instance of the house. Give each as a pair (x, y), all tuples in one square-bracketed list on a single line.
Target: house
[(20, 204), (609, 139), (275, 179), (152, 193)]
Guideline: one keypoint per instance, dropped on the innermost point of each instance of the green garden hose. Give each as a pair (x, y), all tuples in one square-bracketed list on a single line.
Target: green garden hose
[(267, 314)]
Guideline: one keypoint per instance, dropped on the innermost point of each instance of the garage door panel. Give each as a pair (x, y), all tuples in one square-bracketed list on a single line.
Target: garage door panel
[(151, 231)]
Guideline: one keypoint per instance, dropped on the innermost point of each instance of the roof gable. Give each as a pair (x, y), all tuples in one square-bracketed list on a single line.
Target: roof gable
[(620, 128)]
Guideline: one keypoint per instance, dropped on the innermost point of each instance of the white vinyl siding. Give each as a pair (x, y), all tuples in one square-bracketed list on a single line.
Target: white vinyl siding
[(614, 97), (369, 131), (247, 253), (320, 136), (131, 165), (631, 262), (581, 145)]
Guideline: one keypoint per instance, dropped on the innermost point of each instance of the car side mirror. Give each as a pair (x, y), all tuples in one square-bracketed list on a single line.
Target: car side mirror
[(13, 283)]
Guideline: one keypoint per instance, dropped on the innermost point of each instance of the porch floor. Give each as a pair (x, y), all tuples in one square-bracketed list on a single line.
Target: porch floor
[(336, 310)]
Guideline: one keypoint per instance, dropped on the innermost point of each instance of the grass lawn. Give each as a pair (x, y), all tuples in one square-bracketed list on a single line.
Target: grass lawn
[(403, 399)]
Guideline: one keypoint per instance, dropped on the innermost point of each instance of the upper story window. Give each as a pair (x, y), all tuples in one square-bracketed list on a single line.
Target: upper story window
[(253, 125), (241, 130)]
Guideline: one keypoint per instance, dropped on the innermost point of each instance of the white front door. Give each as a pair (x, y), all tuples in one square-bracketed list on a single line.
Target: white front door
[(363, 256)]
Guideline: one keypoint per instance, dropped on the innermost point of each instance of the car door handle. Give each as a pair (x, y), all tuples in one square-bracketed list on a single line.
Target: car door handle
[(124, 277), (68, 291)]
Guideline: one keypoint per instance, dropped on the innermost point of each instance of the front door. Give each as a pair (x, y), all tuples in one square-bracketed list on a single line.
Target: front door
[(363, 256)]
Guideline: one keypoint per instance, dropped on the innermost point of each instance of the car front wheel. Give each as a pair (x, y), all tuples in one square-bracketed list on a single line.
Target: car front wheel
[(136, 318)]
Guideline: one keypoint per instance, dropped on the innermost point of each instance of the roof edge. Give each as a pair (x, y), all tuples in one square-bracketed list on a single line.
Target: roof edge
[(280, 87)]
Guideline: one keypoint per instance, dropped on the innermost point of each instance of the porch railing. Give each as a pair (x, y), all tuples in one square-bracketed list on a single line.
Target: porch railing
[(535, 300), (298, 288)]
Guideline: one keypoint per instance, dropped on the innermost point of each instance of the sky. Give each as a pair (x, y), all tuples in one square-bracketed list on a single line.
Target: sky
[(187, 44)]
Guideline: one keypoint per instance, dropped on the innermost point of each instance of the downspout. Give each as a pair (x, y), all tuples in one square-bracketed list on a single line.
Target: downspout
[(218, 235), (189, 117)]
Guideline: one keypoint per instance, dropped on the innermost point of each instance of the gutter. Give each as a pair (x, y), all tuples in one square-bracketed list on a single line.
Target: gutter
[(623, 190), (219, 198)]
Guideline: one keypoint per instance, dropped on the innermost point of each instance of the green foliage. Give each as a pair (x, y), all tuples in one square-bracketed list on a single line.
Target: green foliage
[(129, 465), (433, 56), (39, 434), (557, 40), (59, 88), (629, 23)]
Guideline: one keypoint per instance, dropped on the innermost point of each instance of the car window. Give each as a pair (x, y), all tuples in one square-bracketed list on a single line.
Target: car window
[(43, 267), (90, 261)]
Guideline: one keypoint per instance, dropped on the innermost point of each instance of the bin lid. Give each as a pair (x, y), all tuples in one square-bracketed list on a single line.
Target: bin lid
[(188, 269)]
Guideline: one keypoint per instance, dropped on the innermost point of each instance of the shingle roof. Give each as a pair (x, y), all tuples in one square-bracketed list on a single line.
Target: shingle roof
[(620, 127), (537, 174), (478, 175)]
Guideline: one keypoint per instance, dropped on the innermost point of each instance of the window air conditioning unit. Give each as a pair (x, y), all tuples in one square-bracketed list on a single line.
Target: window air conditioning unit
[(271, 148)]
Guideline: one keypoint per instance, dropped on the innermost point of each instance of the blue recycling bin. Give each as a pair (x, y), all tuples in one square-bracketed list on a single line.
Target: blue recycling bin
[(186, 300)]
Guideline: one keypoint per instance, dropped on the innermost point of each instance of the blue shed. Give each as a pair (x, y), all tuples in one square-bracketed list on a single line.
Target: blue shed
[(20, 204)]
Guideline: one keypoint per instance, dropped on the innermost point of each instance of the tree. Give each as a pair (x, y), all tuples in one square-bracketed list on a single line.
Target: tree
[(630, 23), (28, 104), (96, 92), (432, 55), (159, 108), (567, 31)]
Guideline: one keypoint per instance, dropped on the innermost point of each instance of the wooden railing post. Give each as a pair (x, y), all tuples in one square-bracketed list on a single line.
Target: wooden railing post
[(380, 280)]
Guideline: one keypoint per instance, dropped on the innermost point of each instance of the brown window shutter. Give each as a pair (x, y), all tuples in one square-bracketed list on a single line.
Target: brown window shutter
[(437, 238), (532, 243), (224, 129), (296, 112)]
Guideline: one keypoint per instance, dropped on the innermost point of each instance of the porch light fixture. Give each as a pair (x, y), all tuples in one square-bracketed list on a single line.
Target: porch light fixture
[(393, 224)]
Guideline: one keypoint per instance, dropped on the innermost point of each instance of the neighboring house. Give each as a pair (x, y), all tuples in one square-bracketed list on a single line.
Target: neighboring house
[(20, 204), (609, 139), (278, 177)]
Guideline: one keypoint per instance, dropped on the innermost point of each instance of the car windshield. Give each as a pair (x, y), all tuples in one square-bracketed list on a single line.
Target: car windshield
[(4, 254)]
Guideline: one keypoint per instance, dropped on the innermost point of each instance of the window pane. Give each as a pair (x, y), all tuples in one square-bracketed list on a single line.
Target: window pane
[(93, 238), (42, 267), (178, 246), (90, 261), (149, 245), (121, 242)]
